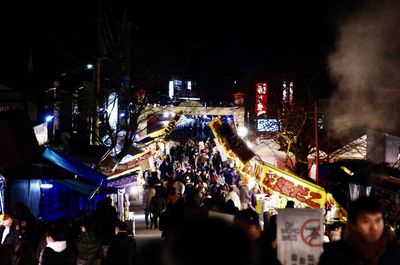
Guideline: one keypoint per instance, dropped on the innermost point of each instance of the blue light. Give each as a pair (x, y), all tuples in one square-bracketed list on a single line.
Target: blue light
[(49, 118), (46, 186)]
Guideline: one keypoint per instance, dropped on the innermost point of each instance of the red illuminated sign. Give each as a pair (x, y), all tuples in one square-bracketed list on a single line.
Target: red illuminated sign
[(261, 98)]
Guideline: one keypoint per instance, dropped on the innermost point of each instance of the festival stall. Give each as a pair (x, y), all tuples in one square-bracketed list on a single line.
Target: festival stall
[(276, 185), (129, 175)]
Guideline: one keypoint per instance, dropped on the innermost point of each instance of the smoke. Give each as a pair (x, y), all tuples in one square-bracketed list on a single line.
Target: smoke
[(366, 68)]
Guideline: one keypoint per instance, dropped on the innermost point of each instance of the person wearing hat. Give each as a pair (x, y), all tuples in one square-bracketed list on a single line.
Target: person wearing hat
[(9, 232)]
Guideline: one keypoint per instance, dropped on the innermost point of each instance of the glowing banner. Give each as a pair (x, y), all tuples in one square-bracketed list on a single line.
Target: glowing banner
[(159, 134), (172, 123), (286, 184), (293, 187), (274, 179), (335, 210), (261, 98), (214, 125), (230, 140)]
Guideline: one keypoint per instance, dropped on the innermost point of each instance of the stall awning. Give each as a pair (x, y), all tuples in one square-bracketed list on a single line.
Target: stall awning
[(84, 188), (76, 167)]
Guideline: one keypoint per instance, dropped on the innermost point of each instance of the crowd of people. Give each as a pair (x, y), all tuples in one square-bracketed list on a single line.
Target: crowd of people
[(206, 214), (96, 239)]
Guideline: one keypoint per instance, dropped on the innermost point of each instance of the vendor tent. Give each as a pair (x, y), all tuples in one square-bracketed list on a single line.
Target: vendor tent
[(74, 185), (269, 151), (356, 149)]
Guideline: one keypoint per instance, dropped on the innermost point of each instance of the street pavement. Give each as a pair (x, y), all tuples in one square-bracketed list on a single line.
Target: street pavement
[(140, 226), (148, 241)]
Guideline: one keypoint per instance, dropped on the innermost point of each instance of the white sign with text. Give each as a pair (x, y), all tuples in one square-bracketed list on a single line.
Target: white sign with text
[(300, 235)]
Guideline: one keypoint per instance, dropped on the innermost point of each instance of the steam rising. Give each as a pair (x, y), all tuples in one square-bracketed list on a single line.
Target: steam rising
[(366, 67)]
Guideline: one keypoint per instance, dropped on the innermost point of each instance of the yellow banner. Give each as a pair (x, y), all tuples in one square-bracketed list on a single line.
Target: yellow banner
[(337, 211), (172, 123), (231, 140), (214, 125), (161, 133), (292, 187), (275, 179)]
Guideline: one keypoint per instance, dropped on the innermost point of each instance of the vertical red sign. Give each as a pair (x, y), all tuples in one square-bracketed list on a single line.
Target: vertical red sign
[(261, 98)]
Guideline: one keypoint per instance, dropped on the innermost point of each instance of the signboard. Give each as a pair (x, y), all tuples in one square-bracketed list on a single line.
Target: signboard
[(269, 177), (267, 125), (162, 133), (286, 184), (228, 137), (300, 235), (261, 98), (295, 188)]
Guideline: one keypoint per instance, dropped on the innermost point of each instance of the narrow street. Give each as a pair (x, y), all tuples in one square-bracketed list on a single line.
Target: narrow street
[(148, 241)]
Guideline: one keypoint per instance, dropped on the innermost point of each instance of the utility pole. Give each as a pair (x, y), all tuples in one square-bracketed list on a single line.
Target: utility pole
[(94, 120), (316, 142)]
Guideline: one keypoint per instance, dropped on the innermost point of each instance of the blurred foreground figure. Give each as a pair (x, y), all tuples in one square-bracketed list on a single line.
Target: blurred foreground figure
[(57, 251), (366, 240), (208, 241), (122, 248)]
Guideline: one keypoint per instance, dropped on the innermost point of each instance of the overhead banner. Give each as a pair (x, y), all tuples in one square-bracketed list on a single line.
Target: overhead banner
[(172, 123), (228, 138), (159, 134), (269, 177), (300, 234), (294, 188), (286, 184)]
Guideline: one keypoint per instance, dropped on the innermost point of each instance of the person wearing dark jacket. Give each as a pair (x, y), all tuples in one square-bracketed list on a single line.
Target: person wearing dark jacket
[(122, 248), (10, 234), (57, 250), (89, 250), (366, 241), (6, 256)]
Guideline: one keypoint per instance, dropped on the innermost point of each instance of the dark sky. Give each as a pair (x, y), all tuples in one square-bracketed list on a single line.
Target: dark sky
[(209, 42)]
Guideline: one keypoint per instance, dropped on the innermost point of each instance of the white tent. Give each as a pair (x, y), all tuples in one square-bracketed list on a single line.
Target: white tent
[(321, 154), (269, 151), (356, 149)]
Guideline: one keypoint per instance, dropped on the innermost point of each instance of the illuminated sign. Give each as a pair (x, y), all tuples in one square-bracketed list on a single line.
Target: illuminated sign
[(295, 190), (267, 125), (261, 98), (267, 176), (229, 139)]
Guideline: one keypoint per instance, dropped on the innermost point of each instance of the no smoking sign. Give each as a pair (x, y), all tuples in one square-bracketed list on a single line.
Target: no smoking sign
[(311, 232)]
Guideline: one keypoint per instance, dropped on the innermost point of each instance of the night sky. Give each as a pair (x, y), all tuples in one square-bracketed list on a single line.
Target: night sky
[(212, 43)]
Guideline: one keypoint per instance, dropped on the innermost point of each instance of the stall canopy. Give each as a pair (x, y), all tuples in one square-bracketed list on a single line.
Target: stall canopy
[(91, 180), (356, 149), (75, 166)]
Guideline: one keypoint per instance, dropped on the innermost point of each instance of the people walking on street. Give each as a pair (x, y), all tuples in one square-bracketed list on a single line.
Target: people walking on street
[(244, 195), (157, 206), (88, 247), (149, 193), (234, 196), (105, 217), (122, 248)]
